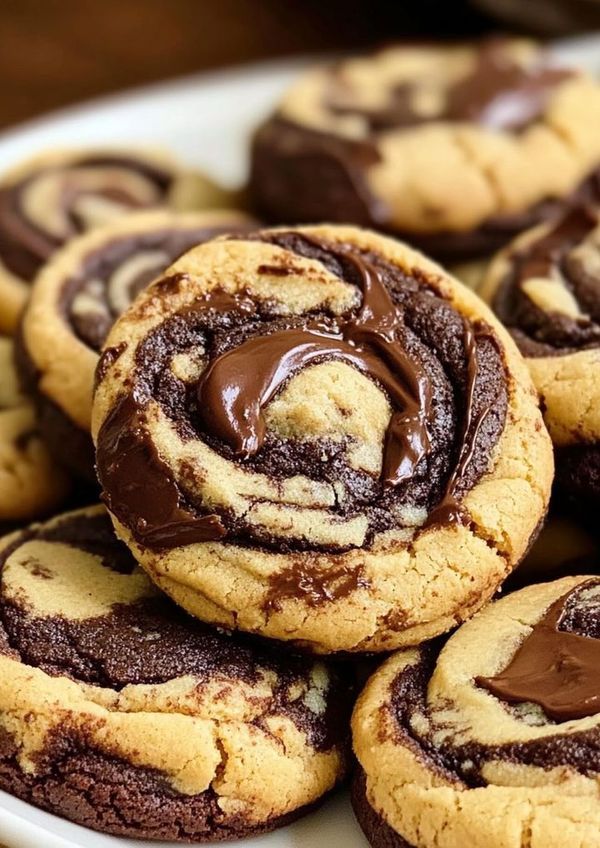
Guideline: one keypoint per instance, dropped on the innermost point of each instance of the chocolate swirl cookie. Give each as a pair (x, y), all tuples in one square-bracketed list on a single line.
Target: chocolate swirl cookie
[(455, 148), (545, 287), (319, 436), (31, 484), (48, 200), (74, 302), (492, 739), (123, 714)]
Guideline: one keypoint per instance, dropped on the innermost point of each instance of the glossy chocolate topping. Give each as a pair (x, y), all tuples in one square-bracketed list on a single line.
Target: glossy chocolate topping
[(465, 762), (566, 257), (139, 487), (231, 396), (555, 668), (499, 93), (444, 378), (82, 192)]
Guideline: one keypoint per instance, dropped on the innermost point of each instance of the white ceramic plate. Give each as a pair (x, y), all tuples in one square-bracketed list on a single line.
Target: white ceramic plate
[(207, 120)]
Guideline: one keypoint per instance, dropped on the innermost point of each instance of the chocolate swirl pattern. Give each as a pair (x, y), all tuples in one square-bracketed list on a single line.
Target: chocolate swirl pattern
[(124, 715), (51, 199), (318, 411), (76, 299), (545, 288), (457, 148), (492, 738)]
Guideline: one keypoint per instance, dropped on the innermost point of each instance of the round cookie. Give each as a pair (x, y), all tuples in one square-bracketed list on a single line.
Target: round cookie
[(49, 199), (123, 714), (30, 482), (545, 287), (74, 302), (492, 739), (455, 148), (344, 445)]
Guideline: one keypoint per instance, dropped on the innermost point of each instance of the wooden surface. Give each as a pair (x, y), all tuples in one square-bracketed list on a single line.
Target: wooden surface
[(56, 52)]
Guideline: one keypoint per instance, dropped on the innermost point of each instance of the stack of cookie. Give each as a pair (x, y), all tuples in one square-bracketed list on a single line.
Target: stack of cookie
[(312, 443)]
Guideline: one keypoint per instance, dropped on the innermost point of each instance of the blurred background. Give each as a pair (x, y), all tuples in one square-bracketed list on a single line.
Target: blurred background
[(56, 52)]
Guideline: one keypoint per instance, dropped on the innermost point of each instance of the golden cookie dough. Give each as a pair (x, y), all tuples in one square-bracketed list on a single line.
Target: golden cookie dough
[(31, 484), (446, 763), (123, 714), (350, 517), (48, 199)]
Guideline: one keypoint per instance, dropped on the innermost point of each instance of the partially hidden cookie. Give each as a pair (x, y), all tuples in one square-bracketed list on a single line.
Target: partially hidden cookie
[(490, 741), (545, 287), (319, 436), (455, 148), (73, 304), (31, 484), (53, 197), (123, 714)]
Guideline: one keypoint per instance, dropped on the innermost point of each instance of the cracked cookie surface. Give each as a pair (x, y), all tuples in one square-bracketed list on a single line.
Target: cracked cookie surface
[(344, 446), (75, 300), (545, 287), (455, 148), (122, 713), (491, 739)]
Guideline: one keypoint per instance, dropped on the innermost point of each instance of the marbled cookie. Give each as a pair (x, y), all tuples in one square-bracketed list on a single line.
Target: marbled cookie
[(320, 436), (490, 741), (31, 484), (455, 148), (49, 199), (545, 287), (123, 714), (74, 302)]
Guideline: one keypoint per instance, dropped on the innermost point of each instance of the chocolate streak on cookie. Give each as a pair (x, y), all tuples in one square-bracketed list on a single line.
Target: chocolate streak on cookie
[(138, 486), (554, 668), (450, 510), (499, 93), (543, 333), (388, 337), (24, 247), (143, 494), (314, 587), (231, 396)]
